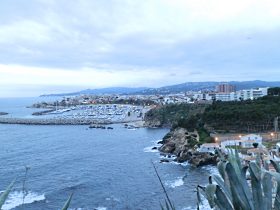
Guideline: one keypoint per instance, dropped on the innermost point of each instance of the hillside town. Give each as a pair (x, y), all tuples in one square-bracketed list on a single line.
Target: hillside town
[(223, 92)]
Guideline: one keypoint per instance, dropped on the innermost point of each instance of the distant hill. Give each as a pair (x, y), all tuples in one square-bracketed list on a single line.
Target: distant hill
[(208, 86), (113, 90), (188, 86)]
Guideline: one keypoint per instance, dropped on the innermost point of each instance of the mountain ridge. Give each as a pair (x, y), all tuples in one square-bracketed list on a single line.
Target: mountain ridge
[(182, 87)]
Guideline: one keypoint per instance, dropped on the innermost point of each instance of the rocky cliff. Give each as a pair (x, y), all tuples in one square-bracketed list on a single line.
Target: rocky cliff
[(183, 144)]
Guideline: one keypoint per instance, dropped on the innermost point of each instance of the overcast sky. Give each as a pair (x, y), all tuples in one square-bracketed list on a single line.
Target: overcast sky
[(66, 45)]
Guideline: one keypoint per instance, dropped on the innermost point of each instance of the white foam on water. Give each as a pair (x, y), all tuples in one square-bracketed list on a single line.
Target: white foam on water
[(100, 208), (182, 164), (176, 183), (150, 149), (15, 199), (155, 144), (211, 169), (204, 206), (112, 198)]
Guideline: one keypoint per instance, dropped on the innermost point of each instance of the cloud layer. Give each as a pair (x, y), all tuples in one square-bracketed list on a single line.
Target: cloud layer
[(138, 43)]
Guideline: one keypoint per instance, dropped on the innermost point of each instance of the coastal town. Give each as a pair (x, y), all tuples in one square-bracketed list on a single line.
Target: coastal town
[(99, 110)]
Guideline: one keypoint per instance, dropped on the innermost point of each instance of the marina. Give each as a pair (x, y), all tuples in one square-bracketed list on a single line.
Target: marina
[(81, 115)]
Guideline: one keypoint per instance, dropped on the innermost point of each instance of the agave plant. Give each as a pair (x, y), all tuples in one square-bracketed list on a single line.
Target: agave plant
[(67, 204), (232, 190), (5, 194), (168, 204)]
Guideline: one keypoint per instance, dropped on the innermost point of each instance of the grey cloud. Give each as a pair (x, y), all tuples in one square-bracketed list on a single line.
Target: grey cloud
[(82, 34)]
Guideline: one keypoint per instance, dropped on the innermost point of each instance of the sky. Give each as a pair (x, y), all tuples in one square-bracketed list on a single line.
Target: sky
[(54, 46)]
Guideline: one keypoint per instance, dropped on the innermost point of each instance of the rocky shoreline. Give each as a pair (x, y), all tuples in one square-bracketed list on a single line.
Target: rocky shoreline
[(183, 144)]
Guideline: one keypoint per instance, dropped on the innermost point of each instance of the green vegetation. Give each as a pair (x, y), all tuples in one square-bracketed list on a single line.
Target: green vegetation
[(175, 114), (236, 116), (274, 91), (233, 191), (243, 116), (204, 136), (270, 144)]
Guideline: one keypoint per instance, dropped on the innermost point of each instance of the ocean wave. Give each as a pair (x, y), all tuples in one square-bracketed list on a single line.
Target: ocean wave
[(100, 208), (154, 144), (211, 169), (204, 205), (112, 198), (15, 199), (97, 208), (150, 149), (181, 164), (176, 183)]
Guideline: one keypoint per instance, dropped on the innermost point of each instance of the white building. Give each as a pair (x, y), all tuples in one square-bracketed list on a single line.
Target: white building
[(203, 96), (209, 147), (226, 96), (254, 137), (251, 93), (246, 141)]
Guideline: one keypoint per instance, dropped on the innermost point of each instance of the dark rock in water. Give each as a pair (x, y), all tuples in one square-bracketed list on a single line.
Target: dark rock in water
[(125, 125), (164, 161), (169, 156), (154, 148), (110, 128), (42, 112), (103, 127), (202, 159), (160, 142), (3, 113)]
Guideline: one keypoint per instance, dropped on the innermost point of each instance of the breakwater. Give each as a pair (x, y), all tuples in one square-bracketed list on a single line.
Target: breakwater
[(60, 121)]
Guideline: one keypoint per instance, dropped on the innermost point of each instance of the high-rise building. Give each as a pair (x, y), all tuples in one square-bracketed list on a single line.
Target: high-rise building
[(225, 88)]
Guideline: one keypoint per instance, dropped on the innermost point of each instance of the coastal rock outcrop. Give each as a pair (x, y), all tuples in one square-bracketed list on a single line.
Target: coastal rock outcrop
[(201, 159), (153, 123), (182, 143)]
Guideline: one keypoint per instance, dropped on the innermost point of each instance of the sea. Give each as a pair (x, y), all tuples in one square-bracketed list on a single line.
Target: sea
[(104, 169)]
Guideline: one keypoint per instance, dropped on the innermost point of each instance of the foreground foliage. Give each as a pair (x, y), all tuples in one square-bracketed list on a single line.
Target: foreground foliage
[(232, 190), (5, 194)]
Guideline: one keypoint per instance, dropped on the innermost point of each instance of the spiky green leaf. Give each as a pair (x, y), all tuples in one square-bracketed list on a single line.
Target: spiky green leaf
[(210, 191), (67, 204), (256, 184), (241, 196), (267, 190), (5, 194), (222, 201)]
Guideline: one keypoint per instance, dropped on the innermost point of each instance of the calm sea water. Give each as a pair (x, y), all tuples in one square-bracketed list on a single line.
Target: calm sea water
[(105, 169)]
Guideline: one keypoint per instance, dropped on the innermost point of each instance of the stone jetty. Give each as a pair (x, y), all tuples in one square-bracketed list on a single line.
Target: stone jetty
[(50, 121), (58, 121)]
